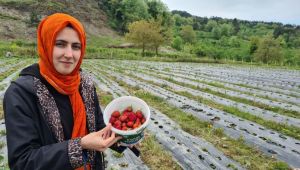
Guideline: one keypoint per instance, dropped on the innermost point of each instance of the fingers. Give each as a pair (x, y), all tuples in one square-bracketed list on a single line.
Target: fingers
[(116, 139), (107, 128)]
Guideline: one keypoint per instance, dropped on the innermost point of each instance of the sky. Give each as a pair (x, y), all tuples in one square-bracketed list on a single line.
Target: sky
[(284, 11)]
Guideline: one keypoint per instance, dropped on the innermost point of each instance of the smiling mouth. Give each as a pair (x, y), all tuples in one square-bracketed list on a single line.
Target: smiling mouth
[(66, 62)]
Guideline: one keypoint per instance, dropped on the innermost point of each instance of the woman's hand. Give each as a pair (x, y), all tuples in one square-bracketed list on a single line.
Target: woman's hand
[(100, 140)]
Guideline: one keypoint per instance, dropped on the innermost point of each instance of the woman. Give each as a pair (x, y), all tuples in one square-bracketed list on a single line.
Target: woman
[(52, 114)]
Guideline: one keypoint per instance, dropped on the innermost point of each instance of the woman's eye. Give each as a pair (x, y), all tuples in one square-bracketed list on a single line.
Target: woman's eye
[(76, 47), (60, 44)]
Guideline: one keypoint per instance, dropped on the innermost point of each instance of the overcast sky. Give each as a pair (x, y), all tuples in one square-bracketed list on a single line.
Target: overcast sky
[(284, 11)]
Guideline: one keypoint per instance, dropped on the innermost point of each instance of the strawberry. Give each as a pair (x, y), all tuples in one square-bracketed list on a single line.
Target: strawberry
[(118, 127), (116, 114), (112, 120), (123, 124), (143, 120), (131, 116), (117, 123), (130, 124), (123, 118), (124, 128), (136, 125), (139, 114), (138, 120), (125, 113)]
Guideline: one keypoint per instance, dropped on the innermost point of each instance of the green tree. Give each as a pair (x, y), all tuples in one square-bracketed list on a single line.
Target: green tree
[(145, 34), (133, 10), (216, 33), (210, 25), (156, 8), (254, 42), (188, 34), (177, 43), (236, 26), (269, 51), (225, 29), (157, 36)]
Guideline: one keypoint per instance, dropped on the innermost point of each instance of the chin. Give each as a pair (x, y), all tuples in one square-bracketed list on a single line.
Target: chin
[(65, 72)]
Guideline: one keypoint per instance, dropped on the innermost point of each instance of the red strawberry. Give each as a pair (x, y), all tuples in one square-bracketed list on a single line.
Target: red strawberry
[(116, 114), (139, 114), (136, 125), (125, 113), (130, 124), (123, 124), (118, 127), (131, 116), (138, 120), (143, 120), (123, 118), (124, 128), (112, 120), (117, 123)]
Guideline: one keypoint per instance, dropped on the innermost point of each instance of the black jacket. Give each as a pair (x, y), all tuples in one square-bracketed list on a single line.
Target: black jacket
[(36, 139)]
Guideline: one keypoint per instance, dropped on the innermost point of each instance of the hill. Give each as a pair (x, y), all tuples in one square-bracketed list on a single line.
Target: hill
[(19, 18)]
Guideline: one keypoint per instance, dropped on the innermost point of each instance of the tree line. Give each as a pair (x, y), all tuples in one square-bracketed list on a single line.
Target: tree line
[(149, 24)]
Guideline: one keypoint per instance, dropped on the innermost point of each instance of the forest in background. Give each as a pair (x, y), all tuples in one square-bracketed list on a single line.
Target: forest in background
[(215, 37)]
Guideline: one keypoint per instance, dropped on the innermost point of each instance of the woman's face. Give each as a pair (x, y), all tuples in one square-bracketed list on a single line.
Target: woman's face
[(66, 51)]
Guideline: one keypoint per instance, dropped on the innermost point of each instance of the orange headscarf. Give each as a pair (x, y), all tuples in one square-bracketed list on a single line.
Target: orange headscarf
[(64, 84)]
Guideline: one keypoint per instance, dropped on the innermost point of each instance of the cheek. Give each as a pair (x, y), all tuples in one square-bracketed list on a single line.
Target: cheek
[(56, 54), (77, 56)]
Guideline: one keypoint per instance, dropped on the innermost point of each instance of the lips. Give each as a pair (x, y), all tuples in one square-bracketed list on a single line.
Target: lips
[(66, 62)]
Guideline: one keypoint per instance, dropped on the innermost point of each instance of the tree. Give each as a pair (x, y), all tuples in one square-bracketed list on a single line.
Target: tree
[(210, 25), (145, 34), (157, 37), (225, 29), (133, 10), (156, 8), (188, 34), (254, 41), (177, 43), (236, 26), (269, 51), (216, 33)]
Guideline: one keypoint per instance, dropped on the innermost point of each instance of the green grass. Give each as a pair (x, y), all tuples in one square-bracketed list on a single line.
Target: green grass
[(2, 132), (1, 111), (154, 155)]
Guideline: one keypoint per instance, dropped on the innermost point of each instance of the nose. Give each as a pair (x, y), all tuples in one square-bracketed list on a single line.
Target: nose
[(68, 51)]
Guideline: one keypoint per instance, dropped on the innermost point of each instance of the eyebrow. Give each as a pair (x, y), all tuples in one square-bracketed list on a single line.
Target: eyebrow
[(64, 41)]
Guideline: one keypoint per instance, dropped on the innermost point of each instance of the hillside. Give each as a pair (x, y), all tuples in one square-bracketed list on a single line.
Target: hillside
[(19, 18)]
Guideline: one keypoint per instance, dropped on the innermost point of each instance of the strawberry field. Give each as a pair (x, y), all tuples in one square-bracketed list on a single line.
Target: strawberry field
[(203, 116)]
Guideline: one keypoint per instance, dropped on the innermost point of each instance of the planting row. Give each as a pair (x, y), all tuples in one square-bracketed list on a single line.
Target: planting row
[(190, 152), (270, 142), (232, 80)]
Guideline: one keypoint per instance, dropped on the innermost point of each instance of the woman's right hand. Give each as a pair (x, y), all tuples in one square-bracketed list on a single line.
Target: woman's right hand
[(100, 140)]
